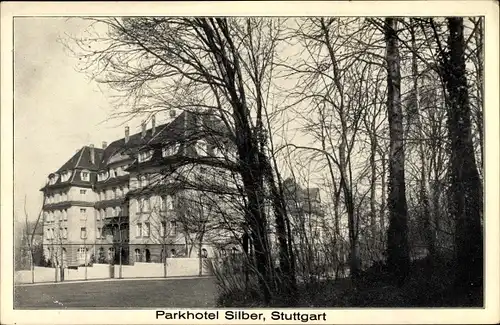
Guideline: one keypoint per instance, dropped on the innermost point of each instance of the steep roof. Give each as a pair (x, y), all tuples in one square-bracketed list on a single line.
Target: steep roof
[(82, 159), (163, 133)]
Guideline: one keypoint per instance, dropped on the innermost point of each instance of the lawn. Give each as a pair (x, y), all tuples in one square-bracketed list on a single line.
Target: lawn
[(174, 293)]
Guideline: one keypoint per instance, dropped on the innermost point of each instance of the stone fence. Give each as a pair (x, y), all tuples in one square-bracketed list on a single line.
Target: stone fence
[(176, 267)]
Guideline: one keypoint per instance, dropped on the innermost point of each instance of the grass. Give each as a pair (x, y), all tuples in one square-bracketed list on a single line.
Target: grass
[(194, 293)]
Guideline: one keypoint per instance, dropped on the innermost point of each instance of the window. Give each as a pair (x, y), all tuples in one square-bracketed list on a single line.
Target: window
[(85, 175), (201, 148), (142, 181), (168, 203), (83, 191), (111, 254), (145, 155), (145, 205), (111, 173), (118, 211), (65, 215), (138, 230), (83, 233), (170, 150), (173, 228), (217, 152), (172, 252), (83, 210), (82, 254), (60, 213), (163, 227), (147, 229), (65, 233), (138, 255), (204, 253)]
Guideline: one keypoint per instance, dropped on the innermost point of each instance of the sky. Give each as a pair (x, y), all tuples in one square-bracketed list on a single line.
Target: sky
[(57, 110)]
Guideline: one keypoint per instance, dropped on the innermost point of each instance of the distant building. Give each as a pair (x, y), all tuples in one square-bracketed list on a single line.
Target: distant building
[(304, 207), (122, 202)]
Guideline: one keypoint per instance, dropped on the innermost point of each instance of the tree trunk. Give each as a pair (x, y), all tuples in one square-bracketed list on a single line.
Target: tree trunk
[(480, 87), (32, 265), (397, 235), (466, 189), (425, 215), (200, 257), (383, 195), (165, 260), (373, 191)]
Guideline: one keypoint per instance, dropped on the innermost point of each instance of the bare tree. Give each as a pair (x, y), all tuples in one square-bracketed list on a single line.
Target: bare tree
[(466, 187), (397, 242), (30, 234)]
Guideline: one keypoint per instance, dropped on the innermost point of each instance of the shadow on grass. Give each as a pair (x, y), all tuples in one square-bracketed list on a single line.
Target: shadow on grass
[(428, 285)]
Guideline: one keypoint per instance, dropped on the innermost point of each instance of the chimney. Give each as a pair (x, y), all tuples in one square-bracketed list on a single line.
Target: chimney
[(153, 125), (127, 133), (92, 154), (143, 125), (172, 114), (104, 144)]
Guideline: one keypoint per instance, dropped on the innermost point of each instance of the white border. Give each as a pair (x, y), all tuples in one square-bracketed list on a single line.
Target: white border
[(489, 9)]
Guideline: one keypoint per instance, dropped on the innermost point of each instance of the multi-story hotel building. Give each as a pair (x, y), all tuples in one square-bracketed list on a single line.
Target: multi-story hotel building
[(122, 202)]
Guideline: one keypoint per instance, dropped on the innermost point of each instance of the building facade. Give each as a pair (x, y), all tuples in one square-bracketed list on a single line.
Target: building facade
[(129, 201)]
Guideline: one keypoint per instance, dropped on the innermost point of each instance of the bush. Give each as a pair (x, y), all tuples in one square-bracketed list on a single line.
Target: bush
[(235, 288)]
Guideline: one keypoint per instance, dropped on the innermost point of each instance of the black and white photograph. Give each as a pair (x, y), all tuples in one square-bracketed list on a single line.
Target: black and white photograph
[(230, 162)]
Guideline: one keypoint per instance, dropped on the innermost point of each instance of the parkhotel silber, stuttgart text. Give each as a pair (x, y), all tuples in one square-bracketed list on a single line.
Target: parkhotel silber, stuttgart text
[(240, 315)]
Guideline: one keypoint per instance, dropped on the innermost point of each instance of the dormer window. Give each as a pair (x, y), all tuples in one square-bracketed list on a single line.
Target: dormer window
[(65, 176), (102, 176), (85, 175), (216, 151), (170, 150), (53, 179), (145, 155), (201, 148)]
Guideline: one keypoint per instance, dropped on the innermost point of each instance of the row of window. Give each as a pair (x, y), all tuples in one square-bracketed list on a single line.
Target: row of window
[(51, 234), (63, 197), (144, 180), (112, 212), (65, 176), (57, 197), (155, 203), (144, 229), (113, 193), (201, 147), (52, 216), (113, 172)]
